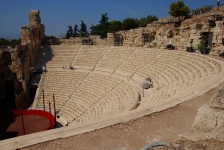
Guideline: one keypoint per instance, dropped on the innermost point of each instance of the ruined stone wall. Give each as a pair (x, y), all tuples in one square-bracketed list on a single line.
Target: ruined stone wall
[(96, 40), (71, 41), (31, 37), (16, 64), (164, 31)]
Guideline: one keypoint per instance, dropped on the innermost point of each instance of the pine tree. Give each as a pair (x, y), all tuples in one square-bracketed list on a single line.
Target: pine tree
[(76, 30), (83, 30)]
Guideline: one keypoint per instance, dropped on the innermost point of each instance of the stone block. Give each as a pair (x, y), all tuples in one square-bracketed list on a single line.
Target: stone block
[(209, 120), (217, 100)]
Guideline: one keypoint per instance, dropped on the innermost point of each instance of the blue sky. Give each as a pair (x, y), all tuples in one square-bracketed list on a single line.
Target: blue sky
[(56, 15)]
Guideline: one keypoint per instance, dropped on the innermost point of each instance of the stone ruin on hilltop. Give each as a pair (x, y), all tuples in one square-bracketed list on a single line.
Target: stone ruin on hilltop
[(191, 32), (205, 29)]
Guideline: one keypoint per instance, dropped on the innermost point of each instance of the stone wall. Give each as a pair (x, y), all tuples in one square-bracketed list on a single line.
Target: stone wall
[(95, 40), (165, 30)]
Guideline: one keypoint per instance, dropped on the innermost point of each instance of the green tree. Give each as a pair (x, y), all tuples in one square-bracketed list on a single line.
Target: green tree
[(12, 43), (114, 26), (103, 25), (179, 9), (83, 30), (67, 35), (95, 30), (76, 31), (104, 20), (69, 32), (151, 18), (101, 28), (142, 22), (129, 23), (3, 41)]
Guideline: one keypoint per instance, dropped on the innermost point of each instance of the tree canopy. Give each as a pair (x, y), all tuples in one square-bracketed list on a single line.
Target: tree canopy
[(179, 9), (144, 21), (83, 29), (101, 28), (69, 32), (129, 23), (12, 43), (114, 26), (104, 26), (76, 32)]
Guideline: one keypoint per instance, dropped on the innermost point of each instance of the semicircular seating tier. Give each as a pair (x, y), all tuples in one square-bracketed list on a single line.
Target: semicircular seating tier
[(95, 82)]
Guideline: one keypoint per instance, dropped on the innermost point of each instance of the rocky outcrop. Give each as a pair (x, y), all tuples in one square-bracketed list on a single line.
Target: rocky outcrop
[(208, 129), (209, 122), (217, 100)]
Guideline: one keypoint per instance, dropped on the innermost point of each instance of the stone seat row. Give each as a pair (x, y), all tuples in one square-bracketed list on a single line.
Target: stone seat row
[(59, 83), (122, 98), (160, 91), (113, 58), (160, 80), (127, 62), (100, 95)]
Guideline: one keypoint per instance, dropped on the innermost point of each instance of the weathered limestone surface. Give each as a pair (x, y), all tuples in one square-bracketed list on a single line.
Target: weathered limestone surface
[(31, 37), (217, 101), (209, 122), (188, 34)]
